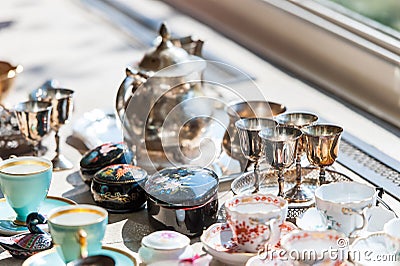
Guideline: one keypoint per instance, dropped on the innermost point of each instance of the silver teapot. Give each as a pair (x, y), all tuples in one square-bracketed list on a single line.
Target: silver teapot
[(156, 101)]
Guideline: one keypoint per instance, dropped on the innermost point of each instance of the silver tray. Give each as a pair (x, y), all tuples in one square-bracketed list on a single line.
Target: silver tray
[(244, 184)]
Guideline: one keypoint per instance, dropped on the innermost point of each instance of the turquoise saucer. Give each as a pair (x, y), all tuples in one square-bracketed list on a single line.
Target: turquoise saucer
[(7, 214), (50, 257)]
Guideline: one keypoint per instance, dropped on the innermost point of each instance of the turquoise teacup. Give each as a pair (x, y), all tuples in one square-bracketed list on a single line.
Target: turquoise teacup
[(77, 230), (25, 182)]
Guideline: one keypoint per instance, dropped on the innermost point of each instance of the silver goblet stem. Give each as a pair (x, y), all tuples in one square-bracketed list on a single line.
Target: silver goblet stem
[(322, 178), (256, 172), (60, 162)]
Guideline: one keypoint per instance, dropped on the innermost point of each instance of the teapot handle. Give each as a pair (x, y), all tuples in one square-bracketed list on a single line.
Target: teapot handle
[(190, 44), (133, 80)]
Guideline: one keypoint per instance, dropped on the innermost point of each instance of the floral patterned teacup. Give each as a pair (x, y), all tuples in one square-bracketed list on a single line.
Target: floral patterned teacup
[(346, 205), (255, 219)]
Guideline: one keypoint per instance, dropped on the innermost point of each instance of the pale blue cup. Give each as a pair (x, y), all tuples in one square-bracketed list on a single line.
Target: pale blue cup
[(77, 230), (25, 182)]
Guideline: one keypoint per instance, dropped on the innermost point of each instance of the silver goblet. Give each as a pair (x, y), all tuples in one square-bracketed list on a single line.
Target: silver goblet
[(241, 110), (34, 121), (322, 146), (250, 142), (279, 148), (298, 193), (61, 100)]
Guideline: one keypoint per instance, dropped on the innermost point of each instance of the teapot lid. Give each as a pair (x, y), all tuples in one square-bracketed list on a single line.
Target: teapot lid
[(164, 55)]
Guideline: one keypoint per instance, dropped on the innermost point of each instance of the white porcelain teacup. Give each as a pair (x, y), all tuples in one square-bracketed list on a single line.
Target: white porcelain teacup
[(165, 245), (255, 219), (346, 205)]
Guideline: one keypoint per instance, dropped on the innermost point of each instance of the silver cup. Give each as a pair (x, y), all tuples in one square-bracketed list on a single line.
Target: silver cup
[(298, 193), (250, 142), (322, 146), (279, 148), (61, 100), (242, 110), (34, 121)]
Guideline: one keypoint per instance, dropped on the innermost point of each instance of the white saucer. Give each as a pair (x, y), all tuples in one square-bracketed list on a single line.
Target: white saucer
[(50, 257), (372, 249), (312, 220), (218, 242), (7, 214)]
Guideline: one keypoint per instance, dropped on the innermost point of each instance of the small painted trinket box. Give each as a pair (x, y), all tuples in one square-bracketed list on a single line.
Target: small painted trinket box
[(183, 199), (119, 188), (102, 156)]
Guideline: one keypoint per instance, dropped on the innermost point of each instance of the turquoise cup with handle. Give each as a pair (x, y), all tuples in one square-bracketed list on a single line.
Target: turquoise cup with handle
[(25, 182), (77, 230)]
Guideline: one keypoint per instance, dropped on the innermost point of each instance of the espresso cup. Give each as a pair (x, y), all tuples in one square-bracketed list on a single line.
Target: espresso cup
[(25, 182), (346, 205), (255, 219), (77, 230)]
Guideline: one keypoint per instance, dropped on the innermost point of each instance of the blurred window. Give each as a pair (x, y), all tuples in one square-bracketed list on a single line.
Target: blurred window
[(340, 51), (385, 12)]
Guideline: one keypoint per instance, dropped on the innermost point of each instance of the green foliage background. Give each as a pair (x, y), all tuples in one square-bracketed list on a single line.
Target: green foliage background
[(386, 12)]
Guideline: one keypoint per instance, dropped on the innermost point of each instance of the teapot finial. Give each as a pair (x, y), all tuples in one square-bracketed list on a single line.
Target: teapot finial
[(164, 33)]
